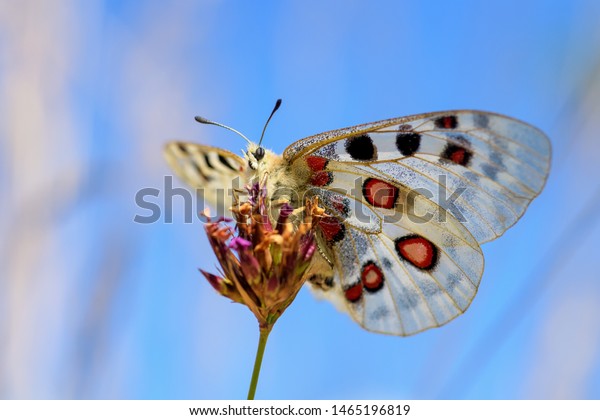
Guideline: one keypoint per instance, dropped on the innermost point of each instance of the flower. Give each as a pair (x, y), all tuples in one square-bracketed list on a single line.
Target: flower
[(263, 267)]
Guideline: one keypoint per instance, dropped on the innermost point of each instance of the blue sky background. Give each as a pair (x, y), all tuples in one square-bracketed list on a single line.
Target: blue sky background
[(93, 305)]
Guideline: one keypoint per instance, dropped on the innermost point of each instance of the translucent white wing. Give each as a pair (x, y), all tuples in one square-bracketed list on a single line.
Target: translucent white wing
[(401, 264), (213, 172), (483, 168), (409, 199)]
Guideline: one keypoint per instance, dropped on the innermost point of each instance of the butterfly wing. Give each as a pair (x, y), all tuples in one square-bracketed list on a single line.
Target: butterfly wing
[(400, 269), (212, 171), (410, 200), (483, 168)]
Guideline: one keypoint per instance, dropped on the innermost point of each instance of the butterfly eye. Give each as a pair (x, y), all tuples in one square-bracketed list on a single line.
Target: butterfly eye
[(259, 154)]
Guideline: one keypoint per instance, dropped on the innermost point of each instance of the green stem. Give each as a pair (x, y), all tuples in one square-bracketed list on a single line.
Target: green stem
[(262, 343)]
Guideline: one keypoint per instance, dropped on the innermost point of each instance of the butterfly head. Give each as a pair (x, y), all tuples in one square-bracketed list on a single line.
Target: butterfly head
[(256, 154), (259, 153)]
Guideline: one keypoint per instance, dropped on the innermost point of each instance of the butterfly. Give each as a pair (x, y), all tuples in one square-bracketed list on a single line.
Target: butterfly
[(408, 203)]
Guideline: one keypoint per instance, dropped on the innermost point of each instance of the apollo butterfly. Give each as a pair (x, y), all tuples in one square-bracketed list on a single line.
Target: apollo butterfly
[(408, 201)]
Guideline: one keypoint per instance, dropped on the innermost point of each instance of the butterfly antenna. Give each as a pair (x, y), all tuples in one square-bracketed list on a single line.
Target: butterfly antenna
[(277, 105), (203, 120)]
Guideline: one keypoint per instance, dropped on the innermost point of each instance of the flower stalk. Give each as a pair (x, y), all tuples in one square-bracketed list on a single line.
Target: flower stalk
[(260, 351)]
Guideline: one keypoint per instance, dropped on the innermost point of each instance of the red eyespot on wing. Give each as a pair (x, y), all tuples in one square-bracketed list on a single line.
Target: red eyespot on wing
[(316, 163), (333, 230), (321, 178), (379, 193), (457, 154), (418, 251), (354, 292), (341, 205), (371, 277), (448, 122)]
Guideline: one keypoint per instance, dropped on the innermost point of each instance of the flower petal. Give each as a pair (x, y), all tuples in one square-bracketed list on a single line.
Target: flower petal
[(240, 244)]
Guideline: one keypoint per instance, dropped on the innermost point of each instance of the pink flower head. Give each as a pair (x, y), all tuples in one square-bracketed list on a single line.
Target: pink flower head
[(262, 267)]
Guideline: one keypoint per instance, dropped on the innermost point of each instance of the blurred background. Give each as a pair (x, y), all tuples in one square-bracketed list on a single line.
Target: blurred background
[(93, 305)]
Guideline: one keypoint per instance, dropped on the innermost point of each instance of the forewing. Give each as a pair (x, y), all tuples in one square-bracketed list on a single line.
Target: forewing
[(483, 168), (212, 171)]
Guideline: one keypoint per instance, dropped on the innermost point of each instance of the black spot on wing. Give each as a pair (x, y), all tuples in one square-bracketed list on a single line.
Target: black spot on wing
[(225, 162), (199, 171), (320, 281), (361, 148), (207, 161), (408, 143)]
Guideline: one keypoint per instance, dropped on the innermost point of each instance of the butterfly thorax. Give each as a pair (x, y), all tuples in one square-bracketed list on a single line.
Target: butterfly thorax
[(281, 181)]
